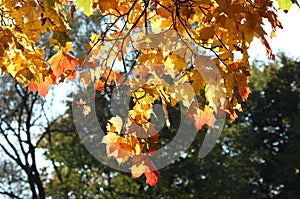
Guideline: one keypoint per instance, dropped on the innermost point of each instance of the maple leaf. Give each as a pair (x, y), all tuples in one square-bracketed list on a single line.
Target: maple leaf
[(207, 33), (32, 86), (215, 96), (111, 140), (124, 152), (117, 147), (72, 10), (175, 63), (43, 89), (81, 102), (142, 164), (99, 85), (106, 5), (108, 75), (86, 5), (197, 81), (164, 13), (133, 141), (238, 78), (62, 62), (152, 177), (138, 170), (86, 108), (285, 4), (152, 174), (85, 78), (230, 111), (61, 38), (201, 116), (115, 124), (42, 85)]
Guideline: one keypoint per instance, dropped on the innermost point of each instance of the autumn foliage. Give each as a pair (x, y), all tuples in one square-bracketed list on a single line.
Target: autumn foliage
[(222, 28)]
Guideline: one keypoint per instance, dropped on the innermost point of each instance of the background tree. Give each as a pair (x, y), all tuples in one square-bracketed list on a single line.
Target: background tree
[(13, 182), (276, 124), (16, 101), (22, 119)]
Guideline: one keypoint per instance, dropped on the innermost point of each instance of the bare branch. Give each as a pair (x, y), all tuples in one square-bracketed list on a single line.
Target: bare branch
[(10, 194)]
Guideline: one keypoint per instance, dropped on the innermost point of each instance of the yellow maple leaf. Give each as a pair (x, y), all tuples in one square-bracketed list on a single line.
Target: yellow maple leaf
[(175, 64), (115, 124)]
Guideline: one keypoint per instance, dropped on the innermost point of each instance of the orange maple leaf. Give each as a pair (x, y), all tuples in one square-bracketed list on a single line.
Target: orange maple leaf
[(110, 75), (152, 177), (201, 116), (63, 62), (42, 85), (32, 86), (117, 147), (43, 88), (99, 85)]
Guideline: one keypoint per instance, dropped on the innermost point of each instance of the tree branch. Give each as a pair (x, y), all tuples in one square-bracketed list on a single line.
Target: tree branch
[(10, 194)]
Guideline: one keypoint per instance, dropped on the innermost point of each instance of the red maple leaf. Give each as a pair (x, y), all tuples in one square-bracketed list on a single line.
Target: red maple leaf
[(152, 174), (142, 164)]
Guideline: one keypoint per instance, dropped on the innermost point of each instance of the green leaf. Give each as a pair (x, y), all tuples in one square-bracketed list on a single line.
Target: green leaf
[(86, 5), (285, 4)]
